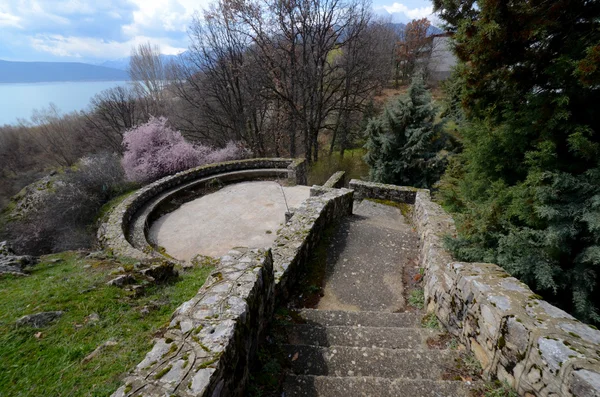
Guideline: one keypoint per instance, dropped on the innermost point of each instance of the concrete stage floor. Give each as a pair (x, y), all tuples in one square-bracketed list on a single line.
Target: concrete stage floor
[(244, 214)]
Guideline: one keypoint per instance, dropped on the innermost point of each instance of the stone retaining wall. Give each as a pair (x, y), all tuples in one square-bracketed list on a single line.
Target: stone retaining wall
[(113, 233), (535, 347), (212, 338), (381, 191), (297, 239)]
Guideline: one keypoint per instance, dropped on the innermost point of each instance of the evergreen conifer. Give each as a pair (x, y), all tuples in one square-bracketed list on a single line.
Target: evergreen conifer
[(526, 189), (401, 148)]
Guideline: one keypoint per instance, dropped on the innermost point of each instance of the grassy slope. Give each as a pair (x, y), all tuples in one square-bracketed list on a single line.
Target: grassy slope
[(50, 364)]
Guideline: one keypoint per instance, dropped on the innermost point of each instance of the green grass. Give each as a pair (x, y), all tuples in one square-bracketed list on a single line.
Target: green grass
[(109, 206), (417, 298), (50, 364), (352, 163), (431, 321)]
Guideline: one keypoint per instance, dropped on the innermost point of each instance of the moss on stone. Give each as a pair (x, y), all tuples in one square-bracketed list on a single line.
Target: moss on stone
[(163, 372)]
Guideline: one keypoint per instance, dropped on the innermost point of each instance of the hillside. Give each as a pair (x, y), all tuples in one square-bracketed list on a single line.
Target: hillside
[(35, 72)]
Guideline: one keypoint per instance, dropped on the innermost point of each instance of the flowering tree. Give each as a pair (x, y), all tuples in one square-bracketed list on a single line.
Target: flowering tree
[(153, 150)]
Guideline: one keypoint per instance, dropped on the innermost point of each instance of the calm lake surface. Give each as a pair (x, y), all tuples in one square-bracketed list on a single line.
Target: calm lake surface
[(19, 100)]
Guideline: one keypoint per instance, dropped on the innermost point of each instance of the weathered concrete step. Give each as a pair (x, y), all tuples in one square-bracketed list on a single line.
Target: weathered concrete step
[(362, 318), (391, 338), (368, 361), (325, 386)]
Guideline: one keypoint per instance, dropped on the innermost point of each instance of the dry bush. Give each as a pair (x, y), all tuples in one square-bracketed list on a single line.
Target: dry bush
[(65, 217)]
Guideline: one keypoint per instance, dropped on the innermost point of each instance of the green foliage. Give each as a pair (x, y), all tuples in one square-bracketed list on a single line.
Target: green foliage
[(48, 361), (417, 298), (402, 148), (498, 389), (431, 321), (526, 189)]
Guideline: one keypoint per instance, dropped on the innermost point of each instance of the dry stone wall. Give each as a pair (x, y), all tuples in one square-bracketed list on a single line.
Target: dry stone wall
[(381, 191), (535, 347)]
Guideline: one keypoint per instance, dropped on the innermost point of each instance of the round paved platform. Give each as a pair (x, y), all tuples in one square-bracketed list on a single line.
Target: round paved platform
[(240, 215)]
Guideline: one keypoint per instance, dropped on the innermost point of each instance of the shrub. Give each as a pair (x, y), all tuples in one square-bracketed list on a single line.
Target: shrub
[(64, 217), (154, 150)]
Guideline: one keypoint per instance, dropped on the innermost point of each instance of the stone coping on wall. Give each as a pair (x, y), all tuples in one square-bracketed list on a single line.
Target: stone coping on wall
[(114, 235), (519, 338), (212, 338), (336, 180)]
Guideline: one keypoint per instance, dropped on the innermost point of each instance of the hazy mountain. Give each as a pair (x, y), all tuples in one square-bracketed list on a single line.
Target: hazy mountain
[(35, 72), (123, 63), (399, 28)]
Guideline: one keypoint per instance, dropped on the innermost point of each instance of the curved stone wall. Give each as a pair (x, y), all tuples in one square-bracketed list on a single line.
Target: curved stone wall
[(535, 347), (124, 232), (211, 339)]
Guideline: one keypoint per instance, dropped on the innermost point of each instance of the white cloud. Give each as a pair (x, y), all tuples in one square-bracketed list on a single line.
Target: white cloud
[(412, 13), (90, 47), (9, 20), (400, 12), (170, 15)]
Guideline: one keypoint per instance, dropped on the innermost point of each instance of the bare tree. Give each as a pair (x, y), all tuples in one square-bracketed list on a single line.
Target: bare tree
[(149, 75), (60, 137), (296, 41), (111, 113), (218, 78), (366, 67)]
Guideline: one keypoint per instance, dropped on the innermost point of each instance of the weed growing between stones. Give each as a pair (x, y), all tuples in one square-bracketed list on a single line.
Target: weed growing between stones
[(496, 389), (416, 298), (56, 360), (466, 368), (430, 321)]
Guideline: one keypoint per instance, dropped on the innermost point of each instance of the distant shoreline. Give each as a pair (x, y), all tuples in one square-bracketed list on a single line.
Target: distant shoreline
[(63, 81)]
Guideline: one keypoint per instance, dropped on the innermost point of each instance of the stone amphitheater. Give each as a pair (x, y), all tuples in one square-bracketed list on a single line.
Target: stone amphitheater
[(361, 338)]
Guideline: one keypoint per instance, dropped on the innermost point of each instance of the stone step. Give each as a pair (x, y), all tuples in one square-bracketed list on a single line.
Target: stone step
[(326, 386), (390, 338), (362, 318), (368, 361)]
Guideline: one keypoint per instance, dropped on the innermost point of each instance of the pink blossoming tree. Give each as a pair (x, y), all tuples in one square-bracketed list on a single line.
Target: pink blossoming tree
[(154, 150)]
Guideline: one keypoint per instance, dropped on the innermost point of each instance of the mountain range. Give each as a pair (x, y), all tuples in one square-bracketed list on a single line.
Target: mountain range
[(112, 70), (37, 72)]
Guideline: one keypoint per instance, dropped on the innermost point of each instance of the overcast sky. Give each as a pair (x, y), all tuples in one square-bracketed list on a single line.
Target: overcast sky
[(97, 30)]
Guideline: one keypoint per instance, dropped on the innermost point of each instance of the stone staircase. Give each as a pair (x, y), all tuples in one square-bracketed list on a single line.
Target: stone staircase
[(346, 354)]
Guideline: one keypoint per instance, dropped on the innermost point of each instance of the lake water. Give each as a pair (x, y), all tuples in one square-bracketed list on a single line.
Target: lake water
[(19, 100)]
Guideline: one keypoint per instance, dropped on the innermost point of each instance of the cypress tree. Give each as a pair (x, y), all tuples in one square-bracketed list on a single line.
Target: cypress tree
[(526, 189)]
